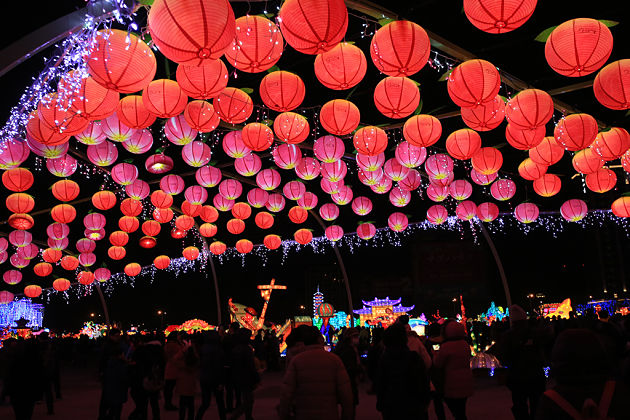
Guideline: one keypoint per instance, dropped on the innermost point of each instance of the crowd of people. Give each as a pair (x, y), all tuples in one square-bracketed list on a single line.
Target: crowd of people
[(588, 358)]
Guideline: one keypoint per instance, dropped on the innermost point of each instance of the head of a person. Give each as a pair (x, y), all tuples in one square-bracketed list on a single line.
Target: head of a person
[(114, 335), (395, 337), (454, 330), (296, 337), (518, 316), (311, 336), (578, 357), (434, 330), (351, 336), (603, 315)]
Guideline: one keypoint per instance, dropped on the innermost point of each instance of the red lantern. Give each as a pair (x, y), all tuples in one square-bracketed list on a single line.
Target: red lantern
[(422, 130), (217, 248), (400, 48), (498, 16), (42, 133), (303, 236), (184, 222), (161, 200), (209, 214), (282, 91), (235, 226), (257, 136), (526, 212), (587, 161), (233, 105), (69, 263), (530, 170), (487, 212), (20, 203), (257, 46), (612, 144), (128, 224), (241, 211), (474, 82), (51, 255), (201, 116), (92, 134), (131, 207), (396, 97), (466, 210), (132, 112), (311, 27), (208, 230), (272, 242), (63, 213), (164, 98), (291, 128), (244, 246), (121, 61), (462, 144), (61, 284), (612, 85), (57, 116), (339, 117), (91, 100), (118, 238), (190, 209), (151, 228), (485, 117), (298, 214), (85, 278), (529, 109), (578, 47), (163, 215), (524, 139), (334, 233), (573, 210), (32, 291), (366, 231), (548, 152), (132, 269), (202, 82), (65, 190), (329, 149), (161, 262), (42, 269), (342, 67), (547, 185), (116, 252), (140, 142), (190, 253), (178, 233), (370, 140), (263, 220), (21, 221), (621, 207), (17, 179), (487, 160), (601, 181)]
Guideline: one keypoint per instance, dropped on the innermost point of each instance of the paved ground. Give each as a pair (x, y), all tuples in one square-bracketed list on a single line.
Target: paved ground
[(81, 394)]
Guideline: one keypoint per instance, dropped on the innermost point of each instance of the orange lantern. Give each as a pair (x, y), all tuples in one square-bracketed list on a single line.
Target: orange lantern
[(69, 263), (282, 91), (498, 16), (184, 222), (548, 152), (104, 200), (474, 82), (163, 215), (92, 100), (241, 211), (601, 181), (132, 112), (61, 284), (233, 105), (244, 246), (51, 255), (189, 209), (85, 277), (587, 161), (39, 131), (209, 214), (291, 128), (264, 220), (303, 236), (487, 160), (190, 253), (128, 224), (396, 97), (131, 207), (32, 291), (257, 136), (164, 98), (17, 179), (612, 144), (235, 226), (20, 203), (462, 144), (21, 221), (621, 207), (485, 117), (400, 48), (217, 248), (612, 85), (201, 116), (161, 262), (65, 190), (524, 139), (258, 44), (116, 252), (118, 238), (530, 170), (339, 117), (42, 269), (132, 269), (547, 185), (370, 140), (161, 200), (56, 115), (298, 214), (208, 230), (422, 130), (151, 228), (63, 213), (202, 82), (272, 241), (342, 67), (529, 109)]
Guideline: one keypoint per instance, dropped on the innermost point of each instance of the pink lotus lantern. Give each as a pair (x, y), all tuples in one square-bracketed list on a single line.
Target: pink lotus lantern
[(3, 256), (19, 261), (230, 189), (394, 170), (268, 179), (330, 187), (158, 164), (4, 244), (124, 173), (361, 206), (234, 146), (573, 210), (138, 190), (85, 245), (196, 154), (287, 156), (12, 277), (294, 190), (412, 181), (196, 194), (6, 297), (397, 222), (221, 203), (503, 189), (275, 202), (308, 201), (366, 231), (480, 179), (329, 149), (437, 192), (257, 197), (208, 176), (370, 177), (383, 186), (334, 233), (409, 155), (370, 163), (248, 165), (178, 131), (95, 235), (93, 221), (334, 171), (344, 196), (115, 130), (526, 212), (103, 154), (460, 189), (466, 210), (140, 142), (172, 184), (28, 252), (487, 212), (87, 259), (444, 182), (20, 238), (329, 212), (92, 134), (399, 197), (62, 167), (47, 151), (58, 244), (13, 154), (307, 168), (102, 274), (438, 166)]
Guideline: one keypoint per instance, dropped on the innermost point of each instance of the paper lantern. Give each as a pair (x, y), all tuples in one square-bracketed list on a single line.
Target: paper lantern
[(366, 231), (234, 146), (275, 202), (61, 284), (587, 161), (208, 176), (221, 203), (124, 173), (13, 154), (400, 48), (396, 97), (466, 210), (601, 181), (138, 190), (530, 170), (207, 230), (370, 140), (148, 242), (480, 179), (116, 130), (128, 224), (268, 179), (503, 189), (576, 131), (282, 91), (69, 263), (257, 46), (54, 230), (548, 152), (291, 128), (244, 246), (118, 238), (151, 228), (329, 212), (132, 269), (202, 82), (201, 116), (422, 130), (524, 139), (172, 184), (20, 203), (196, 154), (342, 67), (164, 98), (95, 235), (473, 83), (257, 197), (397, 222), (526, 212), (94, 221), (54, 113), (528, 109), (498, 16), (90, 99), (334, 171), (578, 47), (621, 207), (241, 211), (47, 151), (399, 197), (62, 167), (438, 166), (85, 278), (163, 215), (85, 245), (233, 105), (32, 291), (463, 143), (209, 214), (190, 253), (487, 160), (17, 179), (444, 182), (343, 196), (132, 112), (308, 201), (217, 248), (178, 131), (303, 236), (361, 206), (547, 185), (334, 233), (294, 190), (573, 210), (263, 220), (230, 189), (286, 156), (272, 242), (161, 200), (329, 149), (184, 222), (192, 32), (485, 117), (63, 213), (257, 137), (28, 252), (21, 238), (21, 221), (18, 261), (612, 144), (460, 189), (298, 214), (612, 85), (308, 168), (51, 255), (92, 134), (192, 209), (313, 26), (339, 117), (44, 134), (116, 252), (103, 154), (140, 142), (196, 195), (437, 192), (487, 212), (394, 170)]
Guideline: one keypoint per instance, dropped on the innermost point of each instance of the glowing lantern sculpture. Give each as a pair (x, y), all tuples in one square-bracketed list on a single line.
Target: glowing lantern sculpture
[(257, 197), (487, 212), (437, 214), (396, 97), (32, 291), (61, 284), (217, 248), (233, 105), (13, 154), (524, 139), (208, 176), (399, 197), (361, 206), (400, 48), (61, 167), (291, 128), (438, 166), (257, 46), (612, 85), (547, 185), (487, 160), (140, 142), (202, 82), (132, 112), (92, 134), (334, 233), (529, 109), (587, 161), (329, 149), (103, 154), (339, 117), (601, 181), (196, 154), (466, 210), (342, 67), (124, 173), (473, 83), (463, 144), (286, 156), (230, 189), (257, 137), (201, 116), (485, 117), (172, 184), (263, 220), (526, 212), (573, 210), (498, 16), (370, 140), (282, 91), (612, 144)]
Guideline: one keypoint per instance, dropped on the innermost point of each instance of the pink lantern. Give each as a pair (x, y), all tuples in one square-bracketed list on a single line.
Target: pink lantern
[(573, 210), (394, 170), (480, 179), (230, 189), (330, 187), (3, 256), (460, 189), (257, 197), (172, 184), (503, 189), (158, 164), (103, 154), (412, 181), (370, 163), (234, 146), (58, 244), (92, 134), (178, 131), (115, 130), (437, 192), (275, 202), (13, 154), (397, 222), (102, 274), (438, 166), (294, 190), (87, 259), (329, 149), (466, 210), (487, 212), (268, 179), (95, 235), (6, 297), (287, 156), (85, 245), (444, 182), (307, 168), (208, 176), (308, 201), (344, 196), (93, 221), (196, 154), (334, 171), (248, 165), (55, 230), (196, 194), (140, 142), (19, 261), (370, 177), (334, 233), (62, 167), (221, 203), (4, 244), (399, 197), (526, 212), (138, 190), (47, 151), (409, 155), (329, 212), (124, 173), (361, 206), (366, 231), (21, 238), (12, 277), (28, 252), (383, 186)]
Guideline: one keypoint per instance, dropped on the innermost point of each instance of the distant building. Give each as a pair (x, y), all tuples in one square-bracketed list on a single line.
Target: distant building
[(318, 299), (18, 309), (382, 311)]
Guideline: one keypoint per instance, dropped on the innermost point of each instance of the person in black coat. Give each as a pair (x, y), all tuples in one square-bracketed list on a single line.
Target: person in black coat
[(25, 378), (244, 375), (212, 377)]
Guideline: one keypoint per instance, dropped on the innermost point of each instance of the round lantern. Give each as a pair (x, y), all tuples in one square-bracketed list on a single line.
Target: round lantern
[(272, 242), (370, 177), (294, 190), (612, 144), (190, 209), (230, 189), (90, 99), (61, 284), (503, 189), (55, 114), (20, 203), (529, 109), (163, 215), (329, 212), (548, 152), (396, 97), (138, 190), (621, 207), (612, 85), (217, 248), (62, 167), (303, 236), (460, 189), (13, 154), (115, 130), (400, 48), (437, 192), (32, 291), (28, 252), (587, 161), (244, 246), (208, 176), (422, 130), (291, 128), (334, 171), (195, 195), (485, 117), (124, 173), (308, 201), (140, 142), (103, 154), (275, 203), (399, 197), (196, 154), (132, 269), (257, 46), (263, 220), (17, 179), (209, 214), (184, 222), (530, 170), (342, 67), (85, 245), (526, 212), (116, 252), (268, 179), (21, 238), (257, 197), (397, 222), (578, 47), (394, 170), (437, 214), (161, 200), (95, 235), (131, 207), (47, 151), (201, 116), (202, 82), (132, 112), (164, 98), (69, 263), (118, 238), (298, 214), (547, 185), (234, 146), (41, 133), (63, 213), (361, 206), (308, 168), (334, 233), (192, 33), (576, 131), (190, 253), (178, 131), (85, 278), (172, 184), (366, 231), (498, 16), (370, 140), (21, 221), (92, 134), (282, 91), (51, 255), (438, 166), (601, 181), (235, 226), (329, 149), (466, 210), (286, 156), (221, 203), (241, 211), (161, 262), (412, 181), (462, 144), (60, 244), (573, 210), (480, 179), (487, 160), (487, 212), (18, 261), (373, 163), (128, 224), (208, 230), (339, 117), (257, 136), (233, 105), (474, 82)]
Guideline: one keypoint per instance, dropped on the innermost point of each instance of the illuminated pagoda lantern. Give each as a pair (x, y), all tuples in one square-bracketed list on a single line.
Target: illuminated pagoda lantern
[(381, 311), (318, 299)]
